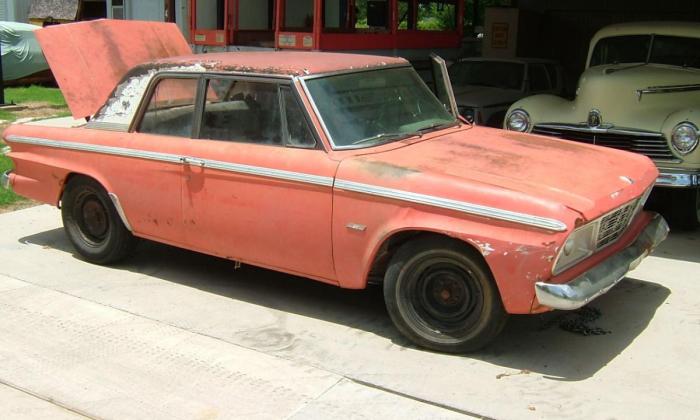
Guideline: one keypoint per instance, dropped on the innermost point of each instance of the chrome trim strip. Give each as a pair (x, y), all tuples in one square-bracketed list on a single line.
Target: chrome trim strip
[(120, 210), (460, 206), (678, 178), (667, 89), (317, 112), (171, 158), (598, 130), (107, 150), (354, 70), (602, 277), (5, 180)]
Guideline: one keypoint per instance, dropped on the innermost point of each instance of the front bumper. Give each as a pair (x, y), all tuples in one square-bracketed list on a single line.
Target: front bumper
[(601, 278), (5, 180), (678, 178)]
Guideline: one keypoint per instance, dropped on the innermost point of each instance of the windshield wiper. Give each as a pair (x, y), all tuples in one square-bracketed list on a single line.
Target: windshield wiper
[(422, 130), (387, 136)]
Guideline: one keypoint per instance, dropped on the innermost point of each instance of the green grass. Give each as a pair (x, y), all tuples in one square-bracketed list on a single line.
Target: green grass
[(7, 116), (7, 197), (20, 95)]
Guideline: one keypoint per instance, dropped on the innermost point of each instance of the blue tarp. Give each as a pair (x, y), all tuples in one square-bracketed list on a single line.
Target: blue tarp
[(21, 54)]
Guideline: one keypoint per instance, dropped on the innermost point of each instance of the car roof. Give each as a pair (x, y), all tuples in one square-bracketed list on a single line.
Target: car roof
[(688, 29), (290, 63), (519, 60)]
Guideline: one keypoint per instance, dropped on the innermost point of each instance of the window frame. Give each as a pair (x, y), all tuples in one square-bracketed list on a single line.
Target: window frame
[(200, 100)]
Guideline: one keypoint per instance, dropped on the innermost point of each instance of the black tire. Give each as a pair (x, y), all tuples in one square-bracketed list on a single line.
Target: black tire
[(441, 295), (686, 208), (93, 224)]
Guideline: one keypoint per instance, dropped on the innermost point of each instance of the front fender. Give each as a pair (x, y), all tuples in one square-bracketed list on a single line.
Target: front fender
[(542, 108), (518, 256)]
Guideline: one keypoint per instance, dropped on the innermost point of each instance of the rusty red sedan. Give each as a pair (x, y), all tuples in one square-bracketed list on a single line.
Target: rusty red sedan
[(346, 169)]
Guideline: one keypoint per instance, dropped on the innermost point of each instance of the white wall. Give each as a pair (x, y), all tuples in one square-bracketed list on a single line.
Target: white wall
[(253, 14)]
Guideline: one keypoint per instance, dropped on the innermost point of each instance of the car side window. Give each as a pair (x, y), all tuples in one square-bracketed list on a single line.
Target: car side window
[(242, 111), (171, 108), (298, 131), (538, 78)]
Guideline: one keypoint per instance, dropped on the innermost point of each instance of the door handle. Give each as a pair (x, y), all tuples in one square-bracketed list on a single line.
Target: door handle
[(192, 161)]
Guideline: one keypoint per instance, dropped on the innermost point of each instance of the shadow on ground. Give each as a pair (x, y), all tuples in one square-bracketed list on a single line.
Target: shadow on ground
[(529, 343)]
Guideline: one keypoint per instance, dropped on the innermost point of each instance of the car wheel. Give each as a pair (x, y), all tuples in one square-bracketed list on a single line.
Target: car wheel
[(440, 294), (93, 224), (686, 211)]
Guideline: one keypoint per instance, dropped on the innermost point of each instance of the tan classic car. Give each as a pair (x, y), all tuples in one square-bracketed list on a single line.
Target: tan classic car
[(640, 92), (342, 168)]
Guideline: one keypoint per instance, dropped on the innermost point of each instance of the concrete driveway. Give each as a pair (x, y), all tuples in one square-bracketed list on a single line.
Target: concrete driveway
[(175, 334)]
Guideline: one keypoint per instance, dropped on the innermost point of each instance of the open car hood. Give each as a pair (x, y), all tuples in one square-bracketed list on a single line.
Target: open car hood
[(88, 59)]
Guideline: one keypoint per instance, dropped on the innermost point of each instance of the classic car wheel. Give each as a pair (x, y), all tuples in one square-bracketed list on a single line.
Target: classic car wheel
[(93, 224), (686, 211), (440, 294)]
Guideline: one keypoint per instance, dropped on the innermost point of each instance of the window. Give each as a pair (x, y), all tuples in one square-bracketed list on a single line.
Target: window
[(356, 14), (374, 107), (676, 51), (298, 15), (499, 74), (437, 15), (297, 128), (171, 108), (117, 9), (237, 110), (553, 75), (538, 78), (621, 49)]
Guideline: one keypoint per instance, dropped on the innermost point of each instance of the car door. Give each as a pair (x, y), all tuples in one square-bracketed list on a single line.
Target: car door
[(258, 185), (150, 186)]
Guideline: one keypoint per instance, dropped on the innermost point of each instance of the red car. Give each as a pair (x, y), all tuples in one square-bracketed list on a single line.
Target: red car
[(345, 169)]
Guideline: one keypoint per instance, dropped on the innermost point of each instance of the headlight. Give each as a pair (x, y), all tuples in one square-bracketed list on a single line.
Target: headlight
[(579, 245), (518, 120), (684, 138)]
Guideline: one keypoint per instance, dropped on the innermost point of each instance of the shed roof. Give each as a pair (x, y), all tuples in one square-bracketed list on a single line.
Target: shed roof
[(56, 9)]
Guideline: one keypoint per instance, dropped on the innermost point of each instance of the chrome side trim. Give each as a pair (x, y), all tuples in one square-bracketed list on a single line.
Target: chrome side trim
[(666, 89), (5, 180), (602, 277), (460, 206), (181, 160), (354, 70), (270, 173), (678, 178), (600, 130), (120, 210)]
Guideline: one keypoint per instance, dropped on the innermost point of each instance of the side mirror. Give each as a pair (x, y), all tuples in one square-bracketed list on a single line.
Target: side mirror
[(443, 87)]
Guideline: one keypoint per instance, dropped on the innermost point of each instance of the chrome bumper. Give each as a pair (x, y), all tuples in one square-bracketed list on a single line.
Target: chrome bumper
[(678, 178), (601, 278), (5, 180)]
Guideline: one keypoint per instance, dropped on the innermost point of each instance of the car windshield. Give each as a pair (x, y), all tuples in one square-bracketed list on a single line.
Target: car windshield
[(374, 107), (671, 50), (498, 74)]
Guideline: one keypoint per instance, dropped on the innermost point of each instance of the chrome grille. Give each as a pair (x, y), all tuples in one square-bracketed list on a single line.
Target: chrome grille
[(652, 145), (613, 224)]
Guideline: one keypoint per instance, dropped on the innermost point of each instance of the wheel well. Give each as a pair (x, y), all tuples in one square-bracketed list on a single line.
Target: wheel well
[(390, 245), (69, 178)]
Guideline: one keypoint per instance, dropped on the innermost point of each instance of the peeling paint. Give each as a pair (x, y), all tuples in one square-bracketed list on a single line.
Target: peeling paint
[(522, 249)]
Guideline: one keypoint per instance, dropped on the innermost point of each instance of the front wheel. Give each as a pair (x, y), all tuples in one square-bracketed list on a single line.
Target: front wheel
[(441, 295), (93, 224)]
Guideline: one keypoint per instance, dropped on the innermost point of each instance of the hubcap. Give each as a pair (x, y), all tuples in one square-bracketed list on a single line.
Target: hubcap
[(442, 296), (92, 218)]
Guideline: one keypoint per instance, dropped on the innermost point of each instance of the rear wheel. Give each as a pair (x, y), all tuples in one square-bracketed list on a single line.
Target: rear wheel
[(93, 224), (440, 294)]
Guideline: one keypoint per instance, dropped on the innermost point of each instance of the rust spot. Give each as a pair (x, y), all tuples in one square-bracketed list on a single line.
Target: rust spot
[(384, 169)]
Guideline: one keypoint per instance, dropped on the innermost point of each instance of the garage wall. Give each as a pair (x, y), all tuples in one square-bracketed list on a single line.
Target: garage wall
[(563, 29)]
